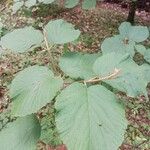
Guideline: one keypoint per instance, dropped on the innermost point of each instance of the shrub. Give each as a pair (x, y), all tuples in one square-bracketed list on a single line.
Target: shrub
[(88, 114)]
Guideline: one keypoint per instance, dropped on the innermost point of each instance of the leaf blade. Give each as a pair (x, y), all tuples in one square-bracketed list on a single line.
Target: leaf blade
[(32, 89), (21, 134), (78, 65), (87, 119), (130, 79), (61, 32), (71, 3), (21, 40)]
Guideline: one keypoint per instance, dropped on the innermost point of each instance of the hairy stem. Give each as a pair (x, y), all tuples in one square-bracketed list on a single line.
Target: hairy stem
[(48, 47), (113, 75)]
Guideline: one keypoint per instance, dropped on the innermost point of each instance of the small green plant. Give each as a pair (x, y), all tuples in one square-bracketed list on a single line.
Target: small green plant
[(88, 114), (127, 41)]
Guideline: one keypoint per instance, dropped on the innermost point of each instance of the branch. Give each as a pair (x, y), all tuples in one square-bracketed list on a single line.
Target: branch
[(54, 66), (113, 75)]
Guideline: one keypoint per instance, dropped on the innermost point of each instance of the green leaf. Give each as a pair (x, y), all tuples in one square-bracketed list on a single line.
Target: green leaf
[(130, 79), (71, 3), (90, 117), (138, 33), (124, 29), (30, 3), (125, 41), (147, 55), (1, 25), (117, 44), (131, 84), (32, 89), (133, 33), (1, 28), (16, 6), (88, 4), (61, 32), (145, 72), (21, 40), (78, 65), (46, 1), (140, 48), (21, 134), (103, 67)]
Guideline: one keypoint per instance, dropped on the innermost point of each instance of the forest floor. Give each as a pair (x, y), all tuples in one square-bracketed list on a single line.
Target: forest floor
[(95, 25)]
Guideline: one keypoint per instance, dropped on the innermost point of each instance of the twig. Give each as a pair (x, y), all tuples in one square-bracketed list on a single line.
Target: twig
[(113, 75), (54, 66)]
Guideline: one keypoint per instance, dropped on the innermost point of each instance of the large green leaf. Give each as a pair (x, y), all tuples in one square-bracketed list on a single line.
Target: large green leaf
[(16, 6), (139, 33), (130, 79), (61, 32), (124, 29), (137, 79), (89, 117), (107, 63), (133, 33), (21, 40), (78, 65), (21, 134), (32, 89), (117, 44), (71, 3), (87, 4), (30, 3), (131, 84)]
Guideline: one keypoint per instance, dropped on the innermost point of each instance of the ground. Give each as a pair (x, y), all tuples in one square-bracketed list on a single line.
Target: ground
[(96, 25)]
